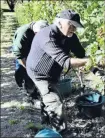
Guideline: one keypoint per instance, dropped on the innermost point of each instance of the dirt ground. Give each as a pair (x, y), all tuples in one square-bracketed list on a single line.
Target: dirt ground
[(19, 119), (16, 116)]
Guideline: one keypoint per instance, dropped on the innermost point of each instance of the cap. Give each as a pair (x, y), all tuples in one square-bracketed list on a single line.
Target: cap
[(72, 16), (39, 25), (32, 24)]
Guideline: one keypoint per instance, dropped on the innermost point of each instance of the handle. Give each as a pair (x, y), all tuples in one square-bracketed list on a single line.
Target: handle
[(80, 76)]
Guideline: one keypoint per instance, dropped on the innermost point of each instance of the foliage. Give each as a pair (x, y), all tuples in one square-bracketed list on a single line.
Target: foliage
[(96, 49), (37, 10), (12, 122), (22, 108), (31, 125)]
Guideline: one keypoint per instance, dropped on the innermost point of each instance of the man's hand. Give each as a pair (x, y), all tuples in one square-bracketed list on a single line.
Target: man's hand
[(78, 62), (88, 65), (81, 69), (22, 62)]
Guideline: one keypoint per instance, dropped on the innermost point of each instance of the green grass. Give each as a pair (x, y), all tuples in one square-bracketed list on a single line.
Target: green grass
[(12, 122), (36, 126), (22, 107)]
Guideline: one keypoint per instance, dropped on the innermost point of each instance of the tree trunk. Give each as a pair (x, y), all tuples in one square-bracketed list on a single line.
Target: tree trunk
[(11, 4)]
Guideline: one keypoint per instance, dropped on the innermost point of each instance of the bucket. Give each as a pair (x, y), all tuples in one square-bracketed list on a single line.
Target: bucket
[(64, 87), (90, 105), (47, 133)]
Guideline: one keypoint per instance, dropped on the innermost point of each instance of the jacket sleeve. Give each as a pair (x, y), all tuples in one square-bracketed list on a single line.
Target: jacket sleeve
[(76, 48), (17, 46)]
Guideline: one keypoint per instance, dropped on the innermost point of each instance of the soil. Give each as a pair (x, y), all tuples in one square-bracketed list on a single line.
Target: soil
[(19, 119)]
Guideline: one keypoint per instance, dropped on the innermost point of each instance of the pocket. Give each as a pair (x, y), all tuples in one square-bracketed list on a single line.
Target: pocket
[(44, 65), (48, 67)]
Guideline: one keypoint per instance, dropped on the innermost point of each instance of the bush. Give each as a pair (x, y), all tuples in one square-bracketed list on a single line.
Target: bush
[(37, 10)]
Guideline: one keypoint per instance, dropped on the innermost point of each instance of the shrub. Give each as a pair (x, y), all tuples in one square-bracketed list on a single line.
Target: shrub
[(37, 10), (12, 122)]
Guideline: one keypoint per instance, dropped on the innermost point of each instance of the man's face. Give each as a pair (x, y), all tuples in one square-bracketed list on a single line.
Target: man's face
[(71, 29), (67, 28)]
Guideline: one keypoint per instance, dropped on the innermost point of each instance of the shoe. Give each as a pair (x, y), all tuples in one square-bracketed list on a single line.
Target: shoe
[(35, 95), (36, 104)]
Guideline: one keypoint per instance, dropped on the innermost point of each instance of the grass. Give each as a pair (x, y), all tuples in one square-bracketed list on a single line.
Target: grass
[(12, 122), (22, 108), (34, 126)]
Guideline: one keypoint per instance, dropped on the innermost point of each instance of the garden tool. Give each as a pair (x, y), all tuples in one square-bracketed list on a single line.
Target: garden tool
[(80, 76)]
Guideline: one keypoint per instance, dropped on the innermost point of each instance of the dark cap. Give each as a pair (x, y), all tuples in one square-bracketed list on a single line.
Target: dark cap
[(72, 16)]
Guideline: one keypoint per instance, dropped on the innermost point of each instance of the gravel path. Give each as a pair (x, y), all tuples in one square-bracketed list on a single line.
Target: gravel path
[(16, 116)]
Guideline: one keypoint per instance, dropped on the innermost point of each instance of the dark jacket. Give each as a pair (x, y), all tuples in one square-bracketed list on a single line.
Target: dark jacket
[(22, 41), (49, 53)]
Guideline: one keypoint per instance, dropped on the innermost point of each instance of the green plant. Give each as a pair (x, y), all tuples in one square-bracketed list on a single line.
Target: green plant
[(31, 125), (37, 10), (96, 49), (22, 108), (12, 122), (91, 13)]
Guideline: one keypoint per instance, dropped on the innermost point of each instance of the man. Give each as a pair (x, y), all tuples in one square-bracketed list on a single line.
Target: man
[(21, 47), (47, 59)]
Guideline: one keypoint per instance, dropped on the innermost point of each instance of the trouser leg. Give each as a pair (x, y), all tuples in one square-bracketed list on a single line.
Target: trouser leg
[(18, 74), (52, 105), (18, 78), (24, 81), (30, 87)]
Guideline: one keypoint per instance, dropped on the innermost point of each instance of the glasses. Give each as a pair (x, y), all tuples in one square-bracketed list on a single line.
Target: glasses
[(71, 25)]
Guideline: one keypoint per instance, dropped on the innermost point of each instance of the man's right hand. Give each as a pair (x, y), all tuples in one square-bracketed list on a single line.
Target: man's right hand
[(78, 62), (89, 64)]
